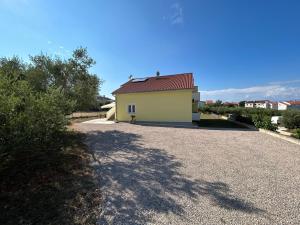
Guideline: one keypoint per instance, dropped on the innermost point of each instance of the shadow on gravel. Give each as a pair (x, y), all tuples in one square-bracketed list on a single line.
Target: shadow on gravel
[(137, 180)]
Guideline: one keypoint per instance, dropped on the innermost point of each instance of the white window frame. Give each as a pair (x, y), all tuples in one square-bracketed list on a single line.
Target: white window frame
[(130, 105)]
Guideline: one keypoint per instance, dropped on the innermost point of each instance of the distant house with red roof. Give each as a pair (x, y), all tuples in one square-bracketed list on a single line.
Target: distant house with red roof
[(209, 102), (289, 105), (168, 98)]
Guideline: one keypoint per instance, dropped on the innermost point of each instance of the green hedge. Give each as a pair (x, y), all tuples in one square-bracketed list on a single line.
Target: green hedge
[(261, 118)]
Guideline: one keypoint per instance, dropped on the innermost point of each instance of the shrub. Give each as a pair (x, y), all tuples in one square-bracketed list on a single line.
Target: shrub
[(263, 122), (205, 109), (30, 118), (296, 134), (261, 118), (291, 119)]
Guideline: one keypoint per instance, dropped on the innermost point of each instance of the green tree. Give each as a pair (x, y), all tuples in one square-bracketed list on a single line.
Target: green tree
[(242, 104), (35, 97), (218, 103), (29, 118), (291, 118), (72, 76)]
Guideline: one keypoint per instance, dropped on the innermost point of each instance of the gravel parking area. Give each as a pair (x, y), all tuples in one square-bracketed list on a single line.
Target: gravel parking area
[(166, 175)]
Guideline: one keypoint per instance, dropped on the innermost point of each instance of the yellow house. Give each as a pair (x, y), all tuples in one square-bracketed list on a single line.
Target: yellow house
[(157, 99)]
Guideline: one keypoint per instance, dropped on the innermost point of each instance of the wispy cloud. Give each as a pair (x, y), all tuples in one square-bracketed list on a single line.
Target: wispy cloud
[(286, 82), (175, 17), (55, 49), (62, 52), (282, 91)]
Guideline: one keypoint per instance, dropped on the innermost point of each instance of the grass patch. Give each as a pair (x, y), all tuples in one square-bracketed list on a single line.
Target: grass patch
[(213, 121), (205, 116), (49, 185), (296, 133)]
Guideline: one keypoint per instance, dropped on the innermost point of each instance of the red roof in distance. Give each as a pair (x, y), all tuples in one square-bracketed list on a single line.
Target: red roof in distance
[(294, 102), (209, 102), (158, 83)]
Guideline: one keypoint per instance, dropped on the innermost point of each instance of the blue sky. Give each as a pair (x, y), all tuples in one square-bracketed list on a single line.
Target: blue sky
[(237, 49)]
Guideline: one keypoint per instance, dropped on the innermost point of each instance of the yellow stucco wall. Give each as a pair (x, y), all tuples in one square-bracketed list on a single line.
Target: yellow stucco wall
[(167, 106)]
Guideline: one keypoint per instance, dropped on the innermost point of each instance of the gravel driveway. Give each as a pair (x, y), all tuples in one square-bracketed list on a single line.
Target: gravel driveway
[(165, 175)]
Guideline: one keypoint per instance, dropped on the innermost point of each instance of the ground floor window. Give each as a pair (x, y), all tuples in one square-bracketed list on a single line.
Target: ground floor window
[(131, 108)]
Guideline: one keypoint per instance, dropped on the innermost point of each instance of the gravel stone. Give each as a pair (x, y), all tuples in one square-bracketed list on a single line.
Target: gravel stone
[(167, 175)]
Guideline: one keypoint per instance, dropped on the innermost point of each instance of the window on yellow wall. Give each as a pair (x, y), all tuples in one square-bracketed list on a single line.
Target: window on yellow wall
[(131, 109)]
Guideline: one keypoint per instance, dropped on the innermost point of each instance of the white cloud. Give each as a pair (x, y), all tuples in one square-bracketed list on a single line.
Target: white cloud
[(270, 91), (49, 42), (176, 16), (61, 47), (286, 82)]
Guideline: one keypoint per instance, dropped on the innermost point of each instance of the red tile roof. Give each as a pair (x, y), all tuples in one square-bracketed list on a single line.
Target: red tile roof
[(294, 102), (209, 102), (158, 83), (258, 101)]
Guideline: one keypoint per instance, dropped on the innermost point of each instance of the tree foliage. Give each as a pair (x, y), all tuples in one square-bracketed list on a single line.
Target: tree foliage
[(291, 118), (35, 97), (218, 103), (296, 133), (242, 103), (71, 75)]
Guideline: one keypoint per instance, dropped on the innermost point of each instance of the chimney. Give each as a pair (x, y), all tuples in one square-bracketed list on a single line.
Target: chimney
[(157, 73)]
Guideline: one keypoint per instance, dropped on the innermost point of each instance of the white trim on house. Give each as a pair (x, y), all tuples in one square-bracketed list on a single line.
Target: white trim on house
[(131, 111), (283, 105)]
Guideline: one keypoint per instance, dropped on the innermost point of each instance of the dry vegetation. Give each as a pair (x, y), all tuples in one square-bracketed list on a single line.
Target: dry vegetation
[(55, 185)]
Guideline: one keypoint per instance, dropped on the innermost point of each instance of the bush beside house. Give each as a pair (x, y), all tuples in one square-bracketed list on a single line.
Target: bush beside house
[(296, 133), (291, 119)]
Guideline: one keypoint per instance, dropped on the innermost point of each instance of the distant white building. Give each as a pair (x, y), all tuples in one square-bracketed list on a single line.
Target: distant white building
[(273, 105), (249, 104), (275, 119), (264, 104), (288, 105)]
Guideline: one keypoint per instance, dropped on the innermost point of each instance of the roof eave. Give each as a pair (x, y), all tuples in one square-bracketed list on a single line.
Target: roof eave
[(179, 89)]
